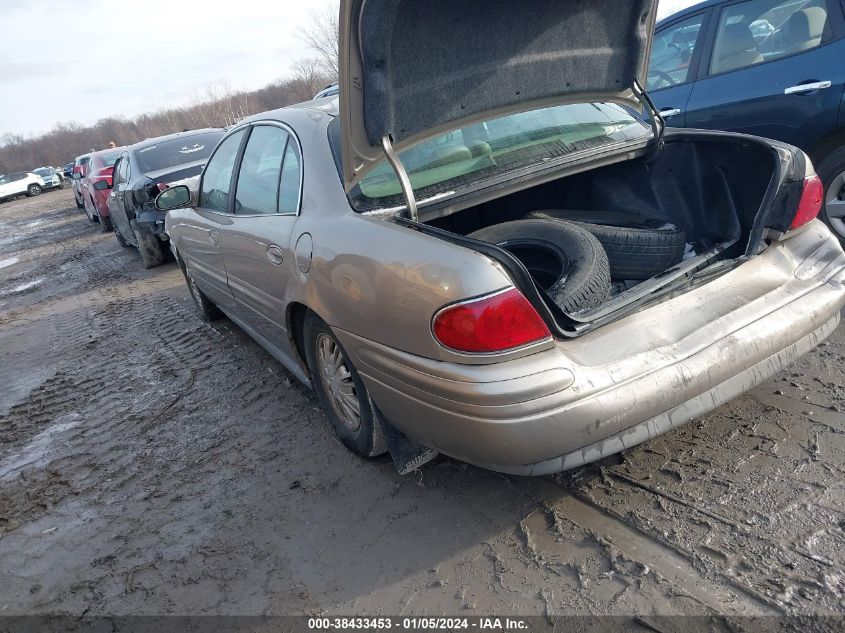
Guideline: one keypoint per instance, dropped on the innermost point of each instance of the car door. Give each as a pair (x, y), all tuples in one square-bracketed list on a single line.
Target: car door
[(5, 186), (20, 184), (198, 235), (675, 55), (257, 245), (773, 68), (115, 200)]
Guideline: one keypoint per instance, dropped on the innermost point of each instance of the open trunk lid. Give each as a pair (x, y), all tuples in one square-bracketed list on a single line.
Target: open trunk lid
[(410, 70)]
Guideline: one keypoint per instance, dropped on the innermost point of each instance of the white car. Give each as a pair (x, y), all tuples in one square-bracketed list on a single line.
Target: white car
[(51, 176), (19, 184)]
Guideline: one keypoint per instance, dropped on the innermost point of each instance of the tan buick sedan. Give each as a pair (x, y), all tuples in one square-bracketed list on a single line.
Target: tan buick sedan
[(484, 250)]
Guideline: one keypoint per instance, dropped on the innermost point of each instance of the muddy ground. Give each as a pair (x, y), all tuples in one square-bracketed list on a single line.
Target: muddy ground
[(153, 464)]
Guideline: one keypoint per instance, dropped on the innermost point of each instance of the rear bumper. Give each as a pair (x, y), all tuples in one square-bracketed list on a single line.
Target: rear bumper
[(626, 382), (152, 222)]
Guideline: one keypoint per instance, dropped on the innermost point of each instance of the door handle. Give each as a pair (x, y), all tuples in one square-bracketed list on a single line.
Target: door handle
[(213, 238), (274, 254), (815, 85), (667, 112)]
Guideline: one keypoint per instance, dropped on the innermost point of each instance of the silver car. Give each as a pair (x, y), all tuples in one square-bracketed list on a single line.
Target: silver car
[(482, 249)]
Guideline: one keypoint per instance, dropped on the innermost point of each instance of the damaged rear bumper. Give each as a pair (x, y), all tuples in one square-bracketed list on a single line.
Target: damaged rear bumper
[(626, 382), (152, 222)]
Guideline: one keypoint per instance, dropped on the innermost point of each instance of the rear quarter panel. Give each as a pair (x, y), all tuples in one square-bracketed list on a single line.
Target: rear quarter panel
[(368, 275)]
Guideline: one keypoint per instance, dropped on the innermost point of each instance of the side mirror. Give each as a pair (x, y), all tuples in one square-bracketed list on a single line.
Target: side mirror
[(173, 198), (77, 175), (101, 185)]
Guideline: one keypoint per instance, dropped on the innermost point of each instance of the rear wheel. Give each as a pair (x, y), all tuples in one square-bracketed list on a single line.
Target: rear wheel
[(106, 224), (206, 309), (89, 211), (149, 246), (341, 391), (832, 173), (33, 190), (78, 199), (119, 237)]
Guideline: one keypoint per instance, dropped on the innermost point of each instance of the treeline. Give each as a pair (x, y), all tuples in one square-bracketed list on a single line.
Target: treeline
[(218, 107)]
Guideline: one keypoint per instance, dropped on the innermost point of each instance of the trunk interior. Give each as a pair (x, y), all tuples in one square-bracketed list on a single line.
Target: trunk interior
[(707, 192)]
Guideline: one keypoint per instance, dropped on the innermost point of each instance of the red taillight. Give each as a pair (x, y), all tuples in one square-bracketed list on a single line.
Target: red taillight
[(492, 324), (811, 202)]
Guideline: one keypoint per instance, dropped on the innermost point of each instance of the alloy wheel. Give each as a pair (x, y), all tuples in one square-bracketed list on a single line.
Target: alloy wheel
[(338, 382), (834, 204)]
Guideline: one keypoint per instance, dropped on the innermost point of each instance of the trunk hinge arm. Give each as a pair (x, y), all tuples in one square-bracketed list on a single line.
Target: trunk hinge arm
[(658, 125), (402, 175)]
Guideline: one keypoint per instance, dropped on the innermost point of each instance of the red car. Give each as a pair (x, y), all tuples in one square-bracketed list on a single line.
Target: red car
[(95, 184)]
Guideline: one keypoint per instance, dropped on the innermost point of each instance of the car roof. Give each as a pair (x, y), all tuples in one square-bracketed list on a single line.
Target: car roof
[(690, 10), (147, 142), (100, 152), (328, 106)]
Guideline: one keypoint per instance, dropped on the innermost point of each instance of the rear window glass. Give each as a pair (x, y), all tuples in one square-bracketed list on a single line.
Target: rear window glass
[(108, 160), (493, 148), (186, 149), (83, 161), (44, 172)]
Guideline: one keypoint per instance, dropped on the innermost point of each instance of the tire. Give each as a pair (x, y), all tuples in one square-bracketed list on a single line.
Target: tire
[(76, 198), (206, 310), (33, 190), (149, 246), (120, 238), (832, 172), (90, 213), (637, 248), (563, 258), (362, 433), (106, 224)]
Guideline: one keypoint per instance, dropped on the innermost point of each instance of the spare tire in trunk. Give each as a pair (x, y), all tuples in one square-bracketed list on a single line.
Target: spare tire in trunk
[(636, 247), (564, 259)]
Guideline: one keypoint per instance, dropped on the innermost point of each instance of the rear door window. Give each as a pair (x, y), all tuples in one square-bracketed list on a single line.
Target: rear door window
[(757, 31), (258, 177), (122, 170), (291, 181)]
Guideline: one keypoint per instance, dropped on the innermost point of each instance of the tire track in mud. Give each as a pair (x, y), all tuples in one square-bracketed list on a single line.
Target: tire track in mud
[(624, 541), (755, 509), (176, 468)]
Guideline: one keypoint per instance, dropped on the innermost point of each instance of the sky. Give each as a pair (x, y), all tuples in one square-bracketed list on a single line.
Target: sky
[(83, 60)]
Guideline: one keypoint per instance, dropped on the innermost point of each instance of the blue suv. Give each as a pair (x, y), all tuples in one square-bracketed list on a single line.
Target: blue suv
[(774, 68)]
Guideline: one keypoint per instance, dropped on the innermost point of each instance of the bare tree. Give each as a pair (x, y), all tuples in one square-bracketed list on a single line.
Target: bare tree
[(308, 78), (321, 37), (218, 106)]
